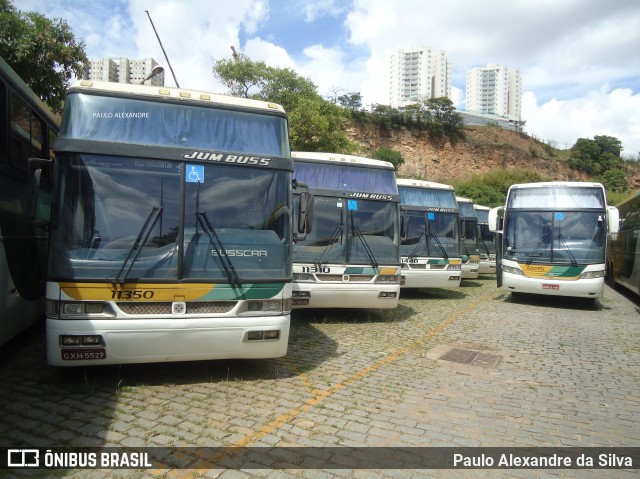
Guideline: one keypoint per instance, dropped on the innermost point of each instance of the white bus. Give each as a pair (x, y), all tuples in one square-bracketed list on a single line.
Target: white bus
[(552, 238), (469, 239), (430, 231), (351, 257), (28, 129), (486, 241), (623, 254), (170, 227)]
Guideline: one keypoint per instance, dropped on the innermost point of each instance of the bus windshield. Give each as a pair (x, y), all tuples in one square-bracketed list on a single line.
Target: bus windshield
[(104, 203), (558, 237), (431, 233), (344, 229)]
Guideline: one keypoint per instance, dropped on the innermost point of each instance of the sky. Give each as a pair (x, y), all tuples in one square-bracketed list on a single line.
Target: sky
[(579, 59)]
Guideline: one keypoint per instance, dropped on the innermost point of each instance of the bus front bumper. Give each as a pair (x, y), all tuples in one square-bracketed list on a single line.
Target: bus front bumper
[(164, 340), (584, 288), (361, 296), (431, 278)]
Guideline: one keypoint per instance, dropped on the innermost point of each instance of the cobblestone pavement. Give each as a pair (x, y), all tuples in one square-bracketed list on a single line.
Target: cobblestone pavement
[(540, 372)]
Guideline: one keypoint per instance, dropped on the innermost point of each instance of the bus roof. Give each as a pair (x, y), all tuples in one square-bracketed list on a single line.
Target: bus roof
[(27, 93), (340, 158), (460, 199), (547, 184), (423, 184), (480, 207), (178, 94)]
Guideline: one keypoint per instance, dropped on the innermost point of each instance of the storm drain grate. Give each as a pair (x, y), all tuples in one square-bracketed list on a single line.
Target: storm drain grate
[(473, 358)]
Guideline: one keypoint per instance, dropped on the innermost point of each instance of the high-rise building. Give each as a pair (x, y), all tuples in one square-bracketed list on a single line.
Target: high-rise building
[(418, 74), (124, 70), (495, 90)]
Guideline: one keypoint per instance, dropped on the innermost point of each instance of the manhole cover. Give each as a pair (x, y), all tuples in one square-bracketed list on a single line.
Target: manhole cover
[(463, 356), (473, 358)]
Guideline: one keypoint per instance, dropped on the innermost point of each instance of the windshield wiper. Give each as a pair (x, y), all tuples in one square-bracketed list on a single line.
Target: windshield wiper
[(574, 262), (486, 248), (535, 250), (358, 233), (444, 252), (136, 247), (332, 240), (229, 269), (414, 253)]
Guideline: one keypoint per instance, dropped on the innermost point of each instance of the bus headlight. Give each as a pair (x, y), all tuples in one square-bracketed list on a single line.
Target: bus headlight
[(269, 306), (82, 308), (387, 278), (592, 275), (511, 270), (303, 277)]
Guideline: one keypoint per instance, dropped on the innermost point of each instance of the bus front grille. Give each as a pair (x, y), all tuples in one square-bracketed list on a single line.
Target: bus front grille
[(352, 278), (194, 307)]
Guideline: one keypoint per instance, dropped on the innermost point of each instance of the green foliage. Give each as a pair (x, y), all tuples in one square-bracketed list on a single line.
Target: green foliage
[(613, 198), (480, 192), (596, 156), (614, 180), (240, 75), (387, 154), (353, 103), (435, 116), (491, 189), (318, 125), (600, 159), (315, 124), (43, 52)]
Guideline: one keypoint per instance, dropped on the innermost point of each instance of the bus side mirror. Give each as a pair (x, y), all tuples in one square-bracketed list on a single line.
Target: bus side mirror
[(34, 190), (613, 220), (495, 219), (305, 212)]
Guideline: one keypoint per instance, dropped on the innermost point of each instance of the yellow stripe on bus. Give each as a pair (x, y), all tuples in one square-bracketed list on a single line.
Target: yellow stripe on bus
[(136, 291), (388, 270)]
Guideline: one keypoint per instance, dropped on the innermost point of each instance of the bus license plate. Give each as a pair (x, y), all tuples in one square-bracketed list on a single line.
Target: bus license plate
[(83, 354), (300, 302), (551, 286)]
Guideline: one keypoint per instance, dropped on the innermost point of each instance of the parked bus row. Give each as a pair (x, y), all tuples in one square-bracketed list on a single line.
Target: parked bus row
[(174, 225)]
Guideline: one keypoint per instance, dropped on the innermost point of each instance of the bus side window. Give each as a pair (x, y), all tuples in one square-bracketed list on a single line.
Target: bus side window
[(26, 134)]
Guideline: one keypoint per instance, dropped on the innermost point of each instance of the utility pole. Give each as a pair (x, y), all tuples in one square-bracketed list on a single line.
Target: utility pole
[(165, 53)]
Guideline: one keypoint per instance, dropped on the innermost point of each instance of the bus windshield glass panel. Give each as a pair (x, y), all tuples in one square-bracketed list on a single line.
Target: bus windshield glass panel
[(431, 233), (559, 237), (104, 203)]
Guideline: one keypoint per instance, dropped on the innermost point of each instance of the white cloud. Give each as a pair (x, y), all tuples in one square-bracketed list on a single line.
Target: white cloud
[(273, 55), (194, 34), (601, 112)]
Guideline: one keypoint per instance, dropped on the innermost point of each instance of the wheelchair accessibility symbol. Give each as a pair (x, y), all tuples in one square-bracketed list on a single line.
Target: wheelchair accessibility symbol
[(194, 174)]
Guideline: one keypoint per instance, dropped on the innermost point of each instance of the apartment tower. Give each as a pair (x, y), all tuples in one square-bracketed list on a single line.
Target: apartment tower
[(418, 74), (495, 90), (123, 70)]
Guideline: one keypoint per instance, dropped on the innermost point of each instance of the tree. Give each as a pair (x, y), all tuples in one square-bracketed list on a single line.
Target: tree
[(596, 156), (315, 124), (352, 101), (43, 52), (241, 74), (614, 180), (387, 154), (609, 144), (445, 120)]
